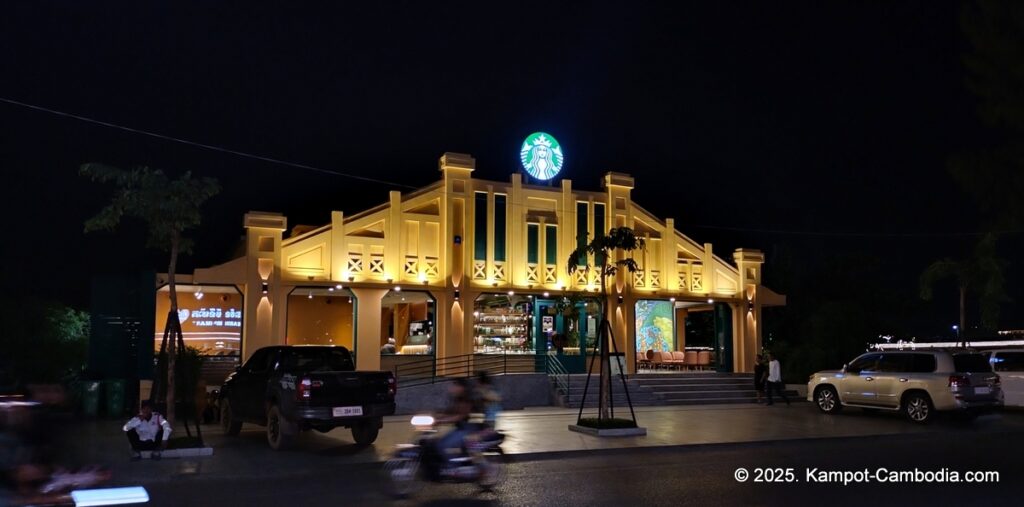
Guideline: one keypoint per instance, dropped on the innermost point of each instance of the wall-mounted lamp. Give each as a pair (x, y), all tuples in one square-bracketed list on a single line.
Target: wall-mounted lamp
[(620, 299), (351, 278), (389, 279), (495, 284), (750, 306), (457, 294), (266, 288), (425, 281)]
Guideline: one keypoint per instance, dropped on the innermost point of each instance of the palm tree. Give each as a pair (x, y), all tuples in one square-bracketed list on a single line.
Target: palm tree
[(982, 273), (168, 207), (602, 249)]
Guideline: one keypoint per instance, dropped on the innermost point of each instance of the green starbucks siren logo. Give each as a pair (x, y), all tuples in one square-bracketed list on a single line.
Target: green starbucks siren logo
[(541, 156)]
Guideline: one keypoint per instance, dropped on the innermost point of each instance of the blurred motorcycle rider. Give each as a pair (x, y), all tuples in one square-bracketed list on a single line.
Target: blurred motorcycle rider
[(458, 412)]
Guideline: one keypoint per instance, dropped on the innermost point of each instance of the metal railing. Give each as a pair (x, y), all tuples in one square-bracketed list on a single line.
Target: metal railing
[(558, 374), (446, 369)]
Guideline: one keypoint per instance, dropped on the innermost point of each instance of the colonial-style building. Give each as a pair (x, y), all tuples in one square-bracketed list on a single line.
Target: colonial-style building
[(470, 266)]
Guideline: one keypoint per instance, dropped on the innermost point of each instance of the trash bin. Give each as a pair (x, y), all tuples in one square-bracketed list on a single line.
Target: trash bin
[(91, 397), (115, 397)]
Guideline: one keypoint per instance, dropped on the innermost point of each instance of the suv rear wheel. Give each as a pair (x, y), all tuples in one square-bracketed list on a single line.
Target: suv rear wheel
[(918, 407), (827, 400)]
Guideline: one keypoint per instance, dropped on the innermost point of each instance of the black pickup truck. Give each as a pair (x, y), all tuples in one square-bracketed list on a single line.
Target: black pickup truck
[(290, 389)]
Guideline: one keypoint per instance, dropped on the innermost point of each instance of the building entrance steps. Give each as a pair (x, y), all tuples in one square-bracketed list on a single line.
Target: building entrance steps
[(659, 389)]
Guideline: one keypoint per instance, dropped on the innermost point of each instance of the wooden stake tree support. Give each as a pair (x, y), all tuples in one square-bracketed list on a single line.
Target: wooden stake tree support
[(601, 249), (168, 207)]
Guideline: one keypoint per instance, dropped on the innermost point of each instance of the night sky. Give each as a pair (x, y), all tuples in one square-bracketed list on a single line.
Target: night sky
[(764, 125)]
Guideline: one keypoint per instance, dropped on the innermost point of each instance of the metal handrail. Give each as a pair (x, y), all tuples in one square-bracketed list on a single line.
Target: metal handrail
[(446, 369), (558, 374)]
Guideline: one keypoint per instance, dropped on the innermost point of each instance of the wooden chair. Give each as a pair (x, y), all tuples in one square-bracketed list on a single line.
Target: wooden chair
[(642, 360), (704, 359), (691, 357), (679, 359)]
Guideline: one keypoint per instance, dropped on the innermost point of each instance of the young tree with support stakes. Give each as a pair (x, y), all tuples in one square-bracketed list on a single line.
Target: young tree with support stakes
[(602, 249), (169, 207)]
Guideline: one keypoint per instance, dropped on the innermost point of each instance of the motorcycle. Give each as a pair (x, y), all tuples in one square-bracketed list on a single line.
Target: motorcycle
[(480, 461)]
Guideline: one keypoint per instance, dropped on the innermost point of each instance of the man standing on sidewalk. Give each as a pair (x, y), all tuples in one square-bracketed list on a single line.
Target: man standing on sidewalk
[(775, 379), (147, 431)]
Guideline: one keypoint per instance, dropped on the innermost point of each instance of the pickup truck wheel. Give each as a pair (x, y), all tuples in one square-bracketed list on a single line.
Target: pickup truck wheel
[(365, 433), (280, 432), (228, 422), (827, 400)]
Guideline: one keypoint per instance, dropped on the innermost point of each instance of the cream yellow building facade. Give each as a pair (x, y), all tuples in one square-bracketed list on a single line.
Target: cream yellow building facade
[(432, 241)]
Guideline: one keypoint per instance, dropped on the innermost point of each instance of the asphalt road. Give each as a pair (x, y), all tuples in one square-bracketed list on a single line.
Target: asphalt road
[(699, 475)]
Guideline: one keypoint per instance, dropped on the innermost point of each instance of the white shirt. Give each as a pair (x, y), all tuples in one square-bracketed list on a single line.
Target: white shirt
[(147, 429), (774, 371)]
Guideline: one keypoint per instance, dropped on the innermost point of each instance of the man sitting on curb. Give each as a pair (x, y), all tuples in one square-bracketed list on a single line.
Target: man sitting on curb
[(147, 431)]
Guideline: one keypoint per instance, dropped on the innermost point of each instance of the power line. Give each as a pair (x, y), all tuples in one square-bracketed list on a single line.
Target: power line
[(403, 185), (203, 145)]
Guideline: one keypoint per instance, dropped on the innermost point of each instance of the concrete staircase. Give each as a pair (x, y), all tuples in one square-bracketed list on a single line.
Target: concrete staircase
[(697, 388)]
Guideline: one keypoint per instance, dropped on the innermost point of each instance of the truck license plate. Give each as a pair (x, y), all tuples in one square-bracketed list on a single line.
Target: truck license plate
[(980, 390), (347, 411)]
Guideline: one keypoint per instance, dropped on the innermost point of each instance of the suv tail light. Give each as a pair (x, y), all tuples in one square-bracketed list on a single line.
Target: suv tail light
[(959, 381), (392, 384)]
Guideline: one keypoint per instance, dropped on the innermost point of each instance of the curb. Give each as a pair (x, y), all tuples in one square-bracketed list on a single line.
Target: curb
[(188, 452)]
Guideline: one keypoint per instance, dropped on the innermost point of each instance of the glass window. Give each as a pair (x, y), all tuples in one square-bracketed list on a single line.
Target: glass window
[(320, 316), (313, 359), (923, 363), (407, 323), (582, 233), (1008, 361), (551, 245), (259, 362), (532, 243), (970, 363), (868, 362), (499, 227), (599, 228), (895, 363), (502, 324), (480, 227)]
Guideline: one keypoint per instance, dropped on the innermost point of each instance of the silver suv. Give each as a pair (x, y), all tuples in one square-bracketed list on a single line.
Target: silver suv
[(916, 383)]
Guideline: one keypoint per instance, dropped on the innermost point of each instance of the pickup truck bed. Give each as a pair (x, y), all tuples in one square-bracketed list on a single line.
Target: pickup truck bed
[(290, 389)]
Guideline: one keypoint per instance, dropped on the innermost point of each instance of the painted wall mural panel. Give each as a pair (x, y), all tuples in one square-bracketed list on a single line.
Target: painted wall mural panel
[(655, 325)]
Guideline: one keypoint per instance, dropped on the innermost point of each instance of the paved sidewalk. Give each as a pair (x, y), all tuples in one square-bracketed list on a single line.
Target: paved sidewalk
[(532, 434)]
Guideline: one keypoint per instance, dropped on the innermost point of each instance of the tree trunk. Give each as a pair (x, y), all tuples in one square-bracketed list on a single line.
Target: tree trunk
[(176, 329), (605, 395)]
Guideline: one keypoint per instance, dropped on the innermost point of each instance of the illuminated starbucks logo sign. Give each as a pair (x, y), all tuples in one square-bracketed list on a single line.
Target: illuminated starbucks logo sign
[(541, 156)]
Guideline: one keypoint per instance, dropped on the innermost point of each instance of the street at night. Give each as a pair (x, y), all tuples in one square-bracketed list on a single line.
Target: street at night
[(677, 476)]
